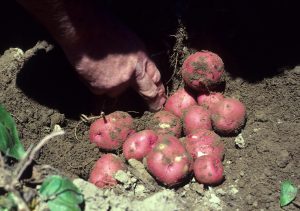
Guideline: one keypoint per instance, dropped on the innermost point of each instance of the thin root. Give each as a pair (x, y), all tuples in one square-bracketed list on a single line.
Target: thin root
[(84, 118)]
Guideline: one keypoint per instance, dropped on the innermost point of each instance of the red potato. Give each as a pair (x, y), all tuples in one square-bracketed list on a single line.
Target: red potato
[(209, 100), (202, 69), (180, 100), (139, 144), (196, 117), (228, 116), (208, 170), (164, 122), (111, 131), (102, 174), (204, 142), (169, 162)]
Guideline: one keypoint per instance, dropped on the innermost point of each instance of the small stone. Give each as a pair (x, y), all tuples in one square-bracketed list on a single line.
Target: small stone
[(234, 191), (122, 177), (23, 118), (241, 184), (140, 190), (261, 116), (283, 159), (221, 192), (29, 113), (249, 200), (57, 119), (256, 130), (199, 188), (260, 98), (296, 70), (255, 204), (45, 121), (50, 112), (214, 199), (186, 187), (133, 180), (240, 141), (267, 172)]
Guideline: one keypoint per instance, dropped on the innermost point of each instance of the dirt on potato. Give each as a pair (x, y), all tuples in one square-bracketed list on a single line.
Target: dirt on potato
[(40, 90)]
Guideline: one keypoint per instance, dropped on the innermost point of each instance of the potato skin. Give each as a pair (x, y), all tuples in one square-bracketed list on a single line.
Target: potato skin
[(139, 144), (202, 70), (102, 174), (178, 101), (196, 117), (169, 162), (164, 122), (208, 170), (209, 100), (228, 116), (204, 142), (110, 132)]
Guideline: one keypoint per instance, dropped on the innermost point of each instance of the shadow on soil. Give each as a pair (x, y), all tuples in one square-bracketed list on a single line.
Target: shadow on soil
[(255, 39)]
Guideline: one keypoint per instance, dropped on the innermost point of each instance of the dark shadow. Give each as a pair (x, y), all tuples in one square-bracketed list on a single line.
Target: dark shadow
[(46, 78), (254, 38), (49, 79), (18, 29)]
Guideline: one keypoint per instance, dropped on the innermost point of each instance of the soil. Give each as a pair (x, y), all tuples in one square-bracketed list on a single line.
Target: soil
[(43, 91)]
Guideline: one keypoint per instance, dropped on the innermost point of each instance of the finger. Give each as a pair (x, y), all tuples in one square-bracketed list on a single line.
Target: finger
[(146, 87), (153, 72)]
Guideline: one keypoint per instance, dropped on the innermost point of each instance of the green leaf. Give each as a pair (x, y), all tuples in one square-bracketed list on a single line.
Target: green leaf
[(10, 143), (61, 194), (288, 192)]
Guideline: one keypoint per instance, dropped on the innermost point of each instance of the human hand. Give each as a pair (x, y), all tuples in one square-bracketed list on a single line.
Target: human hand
[(106, 55), (114, 73), (111, 59)]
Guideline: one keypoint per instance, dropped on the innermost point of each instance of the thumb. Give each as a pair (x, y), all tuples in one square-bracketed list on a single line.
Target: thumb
[(147, 88)]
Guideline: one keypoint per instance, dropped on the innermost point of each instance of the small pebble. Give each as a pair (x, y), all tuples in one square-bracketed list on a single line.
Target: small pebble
[(283, 159), (23, 118), (57, 119), (261, 116), (249, 200)]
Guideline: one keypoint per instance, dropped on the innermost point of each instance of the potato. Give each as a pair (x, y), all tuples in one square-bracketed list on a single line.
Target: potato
[(196, 117), (204, 142), (228, 116), (164, 122), (139, 144), (208, 170), (102, 174), (111, 131), (209, 100), (178, 101), (168, 162), (202, 70)]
